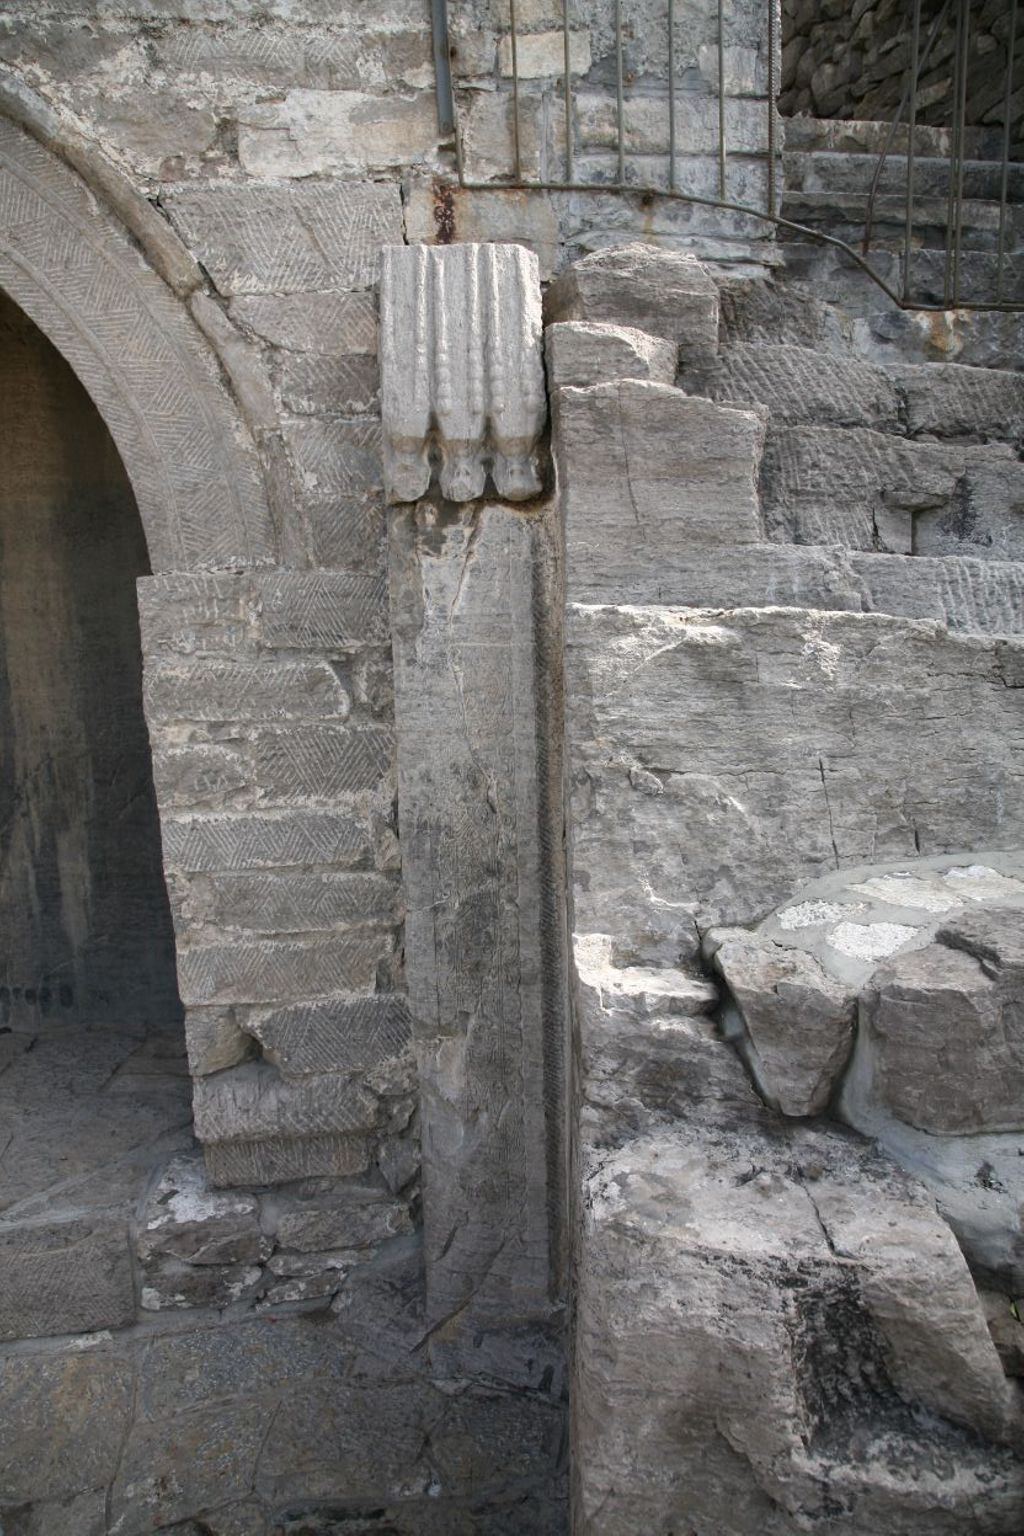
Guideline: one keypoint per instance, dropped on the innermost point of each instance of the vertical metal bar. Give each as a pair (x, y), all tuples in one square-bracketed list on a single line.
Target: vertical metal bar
[(672, 95), (908, 239), (567, 88), (961, 138), (951, 195), (1011, 48), (771, 108), (516, 142), (618, 92), (721, 99), (442, 67)]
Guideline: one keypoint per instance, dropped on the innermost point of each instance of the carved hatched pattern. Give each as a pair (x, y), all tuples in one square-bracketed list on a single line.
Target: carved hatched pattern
[(77, 276), (336, 1035), (461, 370), (299, 839)]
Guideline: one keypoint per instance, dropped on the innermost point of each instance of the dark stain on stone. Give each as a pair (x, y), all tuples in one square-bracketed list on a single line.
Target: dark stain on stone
[(444, 212)]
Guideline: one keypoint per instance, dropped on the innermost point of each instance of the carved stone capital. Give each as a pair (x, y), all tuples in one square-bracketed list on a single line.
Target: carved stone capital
[(461, 373)]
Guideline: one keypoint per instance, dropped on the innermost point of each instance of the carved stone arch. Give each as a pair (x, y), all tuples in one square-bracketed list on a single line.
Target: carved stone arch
[(75, 272)]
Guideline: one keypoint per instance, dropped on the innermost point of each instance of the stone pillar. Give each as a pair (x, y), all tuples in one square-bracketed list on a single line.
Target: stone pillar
[(483, 934)]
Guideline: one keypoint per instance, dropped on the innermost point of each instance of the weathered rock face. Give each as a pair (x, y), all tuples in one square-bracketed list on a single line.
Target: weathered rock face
[(756, 1296), (750, 1307), (664, 293), (944, 1028), (798, 1021)]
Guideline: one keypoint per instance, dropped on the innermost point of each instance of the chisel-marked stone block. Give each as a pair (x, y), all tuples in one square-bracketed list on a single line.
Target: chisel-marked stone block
[(474, 870)]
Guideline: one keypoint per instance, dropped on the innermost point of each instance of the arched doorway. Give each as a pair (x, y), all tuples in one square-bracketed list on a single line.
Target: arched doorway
[(92, 1040)]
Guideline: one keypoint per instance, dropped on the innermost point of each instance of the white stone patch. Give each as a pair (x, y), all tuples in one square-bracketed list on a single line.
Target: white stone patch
[(809, 914), (184, 1197), (977, 882), (870, 941), (907, 890), (542, 54)]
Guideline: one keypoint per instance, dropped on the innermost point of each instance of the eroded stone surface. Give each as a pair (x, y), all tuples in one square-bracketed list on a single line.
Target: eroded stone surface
[(716, 1262), (664, 293), (798, 1020)]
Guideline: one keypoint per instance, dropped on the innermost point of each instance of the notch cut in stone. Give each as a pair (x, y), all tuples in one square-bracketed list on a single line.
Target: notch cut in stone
[(462, 378)]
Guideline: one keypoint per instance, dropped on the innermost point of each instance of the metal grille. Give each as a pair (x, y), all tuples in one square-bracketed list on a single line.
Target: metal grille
[(671, 172)]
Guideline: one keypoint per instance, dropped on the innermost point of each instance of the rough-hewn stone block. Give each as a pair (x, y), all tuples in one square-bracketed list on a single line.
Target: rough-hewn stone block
[(714, 1263), (961, 402), (195, 614), (664, 293), (300, 611), (650, 475), (335, 458), (331, 324), (279, 971), (292, 902), (854, 487), (468, 714), (280, 1160), (275, 839), (581, 352), (324, 386), (319, 133), (721, 760), (214, 1040), (338, 1035), (311, 235), (68, 1277), (244, 690), (253, 1101), (320, 762), (802, 386), (201, 776)]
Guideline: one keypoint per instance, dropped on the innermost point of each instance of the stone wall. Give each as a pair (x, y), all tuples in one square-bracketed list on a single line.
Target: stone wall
[(755, 700), (245, 122), (853, 61)]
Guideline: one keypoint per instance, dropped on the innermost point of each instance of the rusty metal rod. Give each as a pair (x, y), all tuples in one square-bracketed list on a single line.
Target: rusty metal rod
[(721, 98), (618, 90), (567, 89), (516, 143), (1011, 48), (908, 240), (771, 109), (672, 95)]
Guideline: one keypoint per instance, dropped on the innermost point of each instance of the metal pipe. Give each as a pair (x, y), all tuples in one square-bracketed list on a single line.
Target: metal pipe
[(721, 97), (961, 141), (442, 67), (947, 274), (516, 145), (1011, 48), (915, 45), (672, 95), (567, 89), (618, 90), (771, 109)]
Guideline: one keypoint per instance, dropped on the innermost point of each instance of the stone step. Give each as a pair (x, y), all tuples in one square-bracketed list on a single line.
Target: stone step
[(805, 386), (979, 273), (854, 173), (870, 138), (844, 213), (829, 274)]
